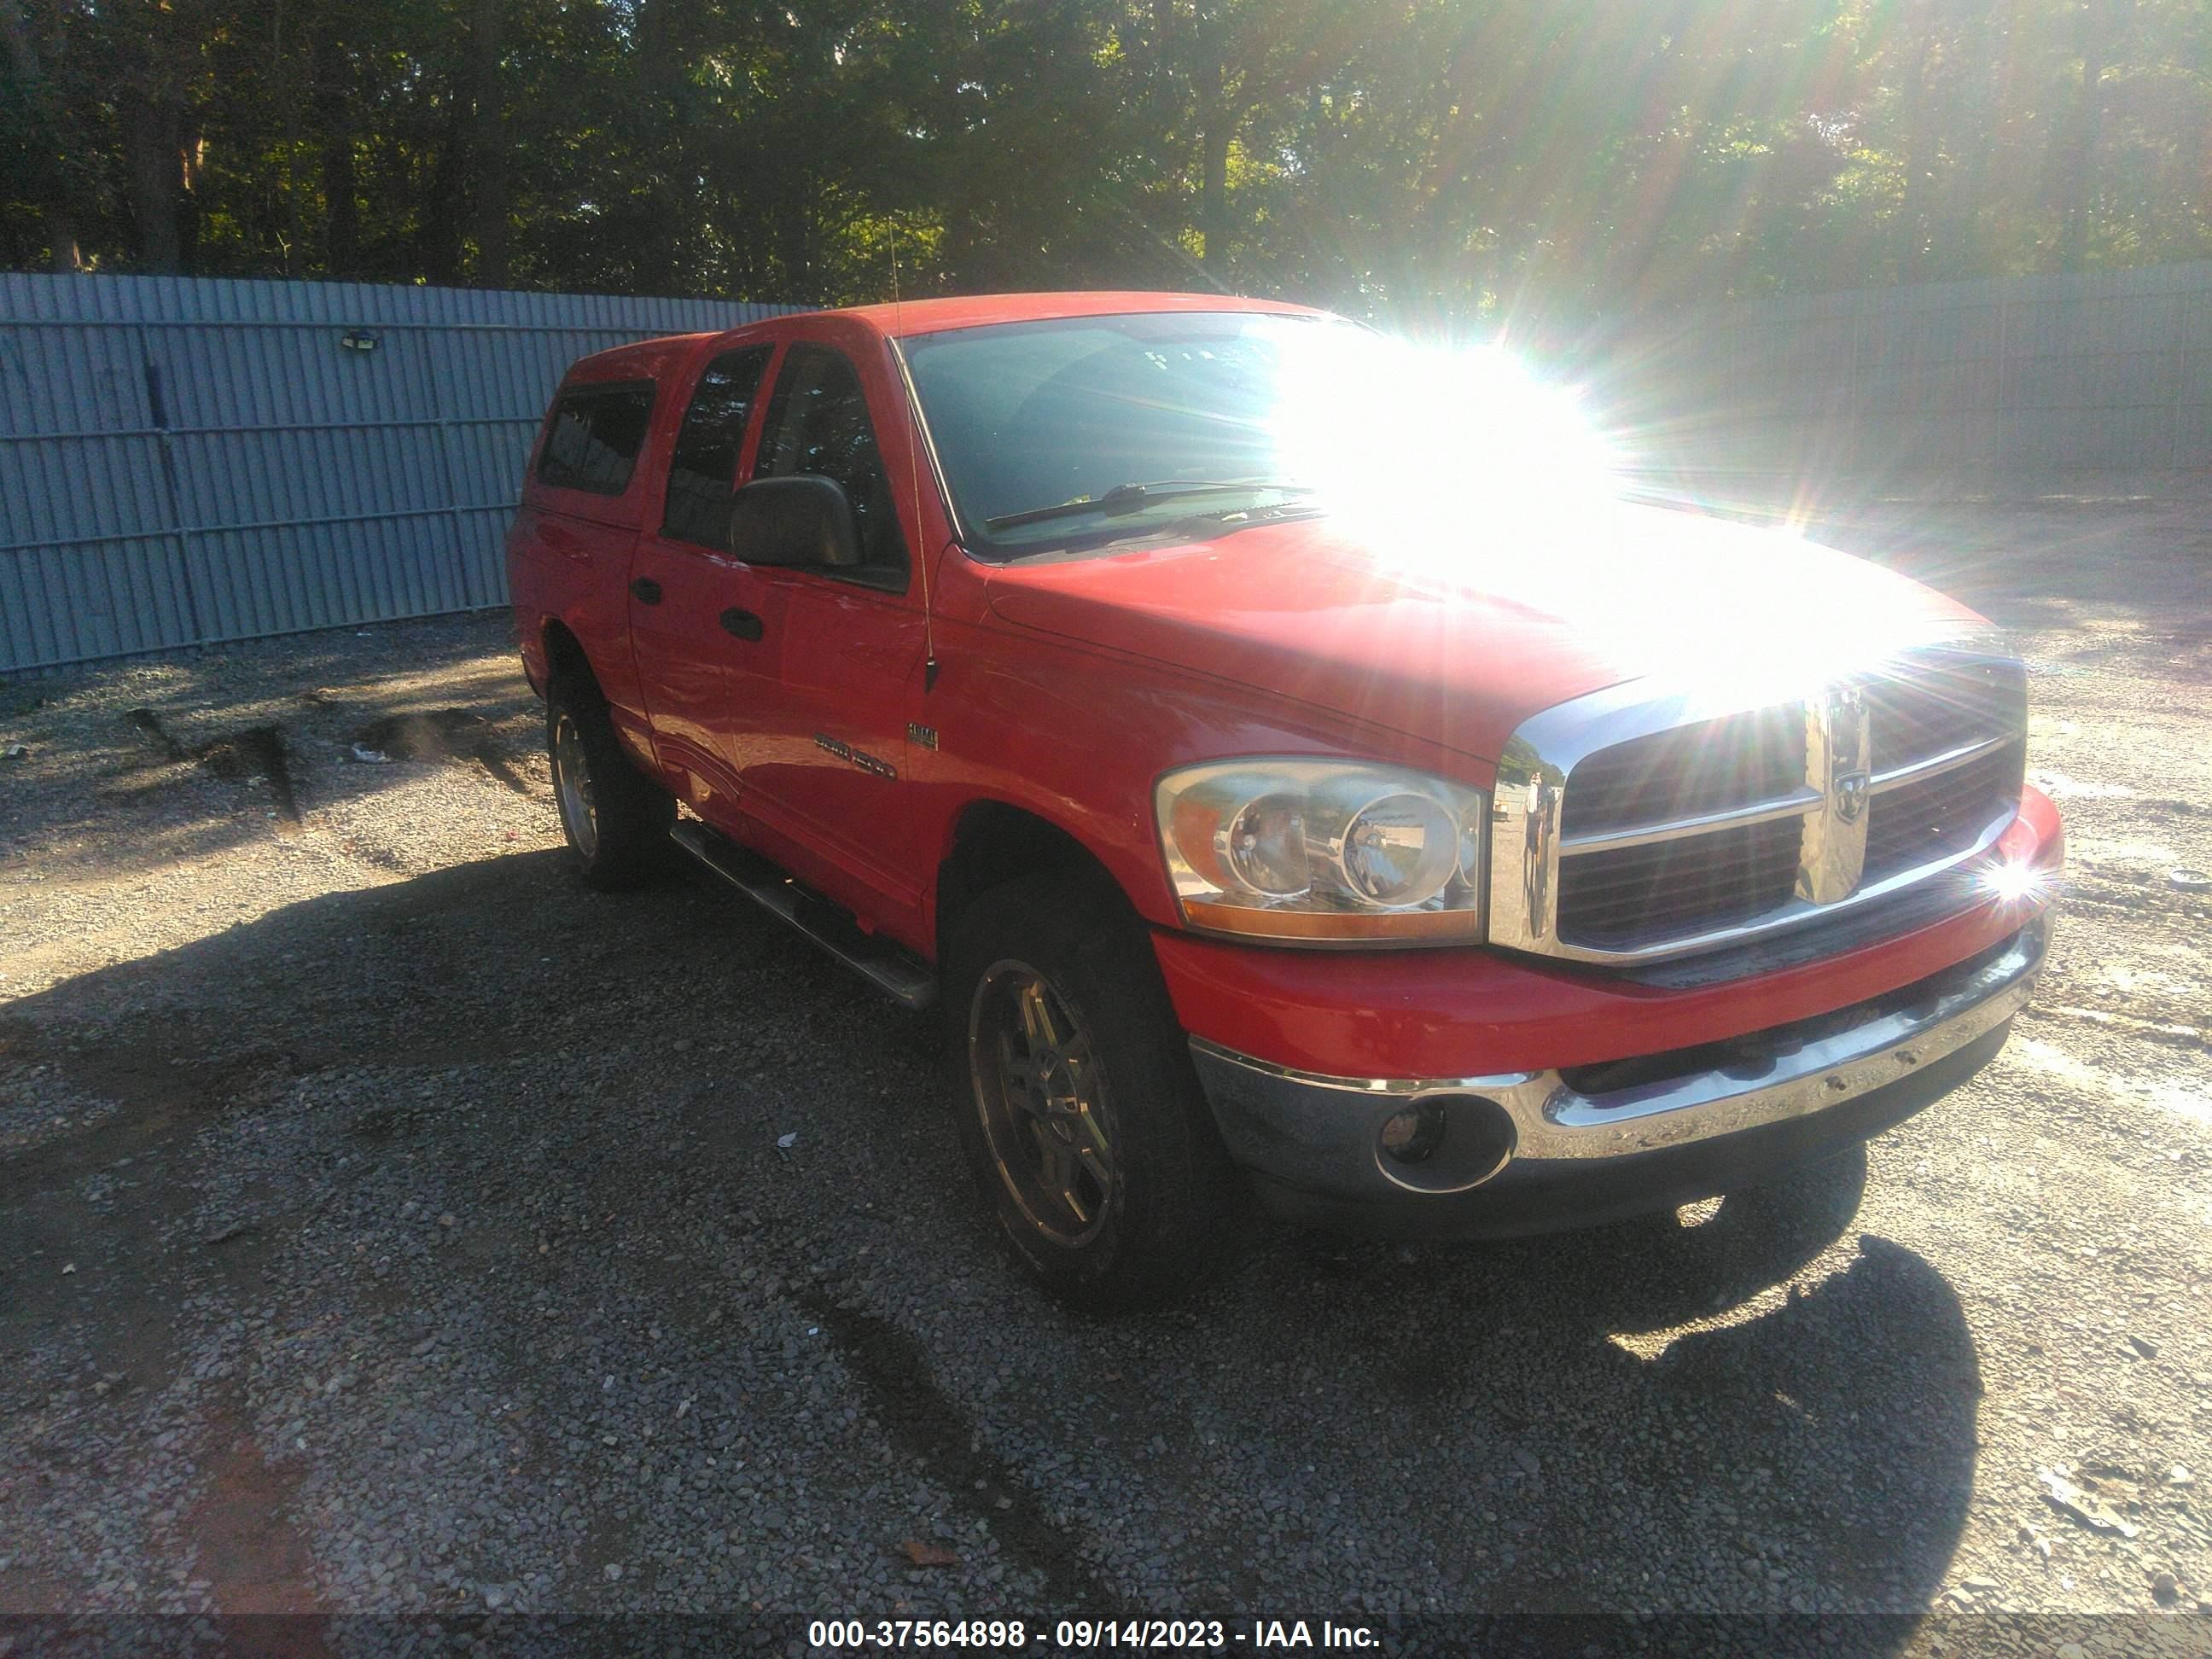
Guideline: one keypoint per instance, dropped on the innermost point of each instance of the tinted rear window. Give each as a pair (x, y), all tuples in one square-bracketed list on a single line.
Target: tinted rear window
[(594, 435)]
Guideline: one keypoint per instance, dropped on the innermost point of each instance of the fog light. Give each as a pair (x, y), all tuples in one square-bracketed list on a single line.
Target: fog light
[(1413, 1135), (1445, 1142)]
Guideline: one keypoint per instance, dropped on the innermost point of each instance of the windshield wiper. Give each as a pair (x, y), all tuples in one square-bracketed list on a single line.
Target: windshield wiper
[(1129, 497)]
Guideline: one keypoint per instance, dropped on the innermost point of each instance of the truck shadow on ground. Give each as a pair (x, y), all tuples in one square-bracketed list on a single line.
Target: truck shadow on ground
[(1669, 1390), (1633, 1418)]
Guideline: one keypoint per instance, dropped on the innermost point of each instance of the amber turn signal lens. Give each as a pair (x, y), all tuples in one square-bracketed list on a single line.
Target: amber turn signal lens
[(1322, 927)]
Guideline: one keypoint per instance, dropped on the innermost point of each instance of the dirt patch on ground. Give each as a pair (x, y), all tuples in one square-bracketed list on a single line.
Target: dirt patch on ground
[(240, 1529), (442, 734)]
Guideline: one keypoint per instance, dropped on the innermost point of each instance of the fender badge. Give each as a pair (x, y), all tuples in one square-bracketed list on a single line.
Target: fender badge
[(859, 757)]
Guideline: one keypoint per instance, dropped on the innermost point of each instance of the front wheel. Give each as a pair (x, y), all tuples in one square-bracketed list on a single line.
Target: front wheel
[(616, 818), (1080, 1113)]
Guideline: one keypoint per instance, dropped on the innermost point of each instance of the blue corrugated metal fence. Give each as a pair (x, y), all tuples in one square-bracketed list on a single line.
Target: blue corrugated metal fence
[(186, 460)]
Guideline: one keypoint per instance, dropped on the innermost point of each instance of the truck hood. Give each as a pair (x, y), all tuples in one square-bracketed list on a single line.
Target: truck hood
[(1457, 645)]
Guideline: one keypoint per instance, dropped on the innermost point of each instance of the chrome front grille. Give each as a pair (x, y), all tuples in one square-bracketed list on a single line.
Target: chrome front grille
[(1708, 767), (1628, 830), (1617, 897), (1919, 712), (1942, 815)]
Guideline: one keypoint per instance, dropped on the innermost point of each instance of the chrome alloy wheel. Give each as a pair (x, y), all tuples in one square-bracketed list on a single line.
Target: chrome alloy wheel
[(572, 788), (1036, 1090)]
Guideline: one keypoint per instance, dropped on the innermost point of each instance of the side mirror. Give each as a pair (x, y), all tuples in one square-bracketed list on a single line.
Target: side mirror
[(803, 519)]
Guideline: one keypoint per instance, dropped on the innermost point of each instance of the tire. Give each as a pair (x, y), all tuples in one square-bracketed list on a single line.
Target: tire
[(1079, 1111), (616, 818)]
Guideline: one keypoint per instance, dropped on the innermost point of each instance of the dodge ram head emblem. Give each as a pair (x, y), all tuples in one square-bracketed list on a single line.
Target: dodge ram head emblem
[(1839, 768), (1849, 795)]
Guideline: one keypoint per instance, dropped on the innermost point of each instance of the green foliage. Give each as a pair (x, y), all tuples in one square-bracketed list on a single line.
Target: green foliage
[(1429, 161)]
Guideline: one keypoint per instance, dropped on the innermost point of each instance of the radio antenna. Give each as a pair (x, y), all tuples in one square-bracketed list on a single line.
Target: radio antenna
[(915, 457)]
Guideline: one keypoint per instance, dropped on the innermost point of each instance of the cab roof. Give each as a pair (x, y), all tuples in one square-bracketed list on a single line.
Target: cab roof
[(973, 311), (645, 358)]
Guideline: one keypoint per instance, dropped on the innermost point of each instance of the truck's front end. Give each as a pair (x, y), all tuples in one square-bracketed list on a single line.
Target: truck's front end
[(1516, 857), (1717, 944)]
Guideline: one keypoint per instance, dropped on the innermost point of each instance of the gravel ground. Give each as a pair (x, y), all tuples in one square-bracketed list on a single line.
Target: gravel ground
[(388, 1223)]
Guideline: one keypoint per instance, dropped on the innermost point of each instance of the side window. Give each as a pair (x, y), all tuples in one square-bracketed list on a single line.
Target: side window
[(704, 468), (817, 422), (594, 435)]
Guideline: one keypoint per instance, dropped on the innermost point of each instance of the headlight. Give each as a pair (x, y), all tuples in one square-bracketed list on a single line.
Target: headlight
[(1324, 851)]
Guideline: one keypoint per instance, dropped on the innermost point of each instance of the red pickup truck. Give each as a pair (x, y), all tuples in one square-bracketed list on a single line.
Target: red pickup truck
[(1283, 769)]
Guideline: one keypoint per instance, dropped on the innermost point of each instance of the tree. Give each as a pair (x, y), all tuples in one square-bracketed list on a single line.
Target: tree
[(44, 146), (1434, 162)]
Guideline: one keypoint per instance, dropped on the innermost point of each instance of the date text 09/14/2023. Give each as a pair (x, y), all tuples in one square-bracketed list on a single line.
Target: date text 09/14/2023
[(1085, 1634)]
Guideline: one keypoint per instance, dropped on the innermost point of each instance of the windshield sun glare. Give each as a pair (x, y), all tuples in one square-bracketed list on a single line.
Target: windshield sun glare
[(1049, 432)]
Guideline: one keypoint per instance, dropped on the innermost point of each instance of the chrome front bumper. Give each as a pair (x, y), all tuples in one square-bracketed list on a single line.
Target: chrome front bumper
[(1810, 1087)]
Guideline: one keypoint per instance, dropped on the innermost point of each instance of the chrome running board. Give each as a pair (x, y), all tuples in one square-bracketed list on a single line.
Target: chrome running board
[(890, 967)]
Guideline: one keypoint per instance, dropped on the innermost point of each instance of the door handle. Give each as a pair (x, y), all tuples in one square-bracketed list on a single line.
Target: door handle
[(647, 590), (743, 623)]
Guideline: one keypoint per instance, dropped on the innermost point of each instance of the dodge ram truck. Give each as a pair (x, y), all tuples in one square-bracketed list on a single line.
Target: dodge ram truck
[(1287, 770)]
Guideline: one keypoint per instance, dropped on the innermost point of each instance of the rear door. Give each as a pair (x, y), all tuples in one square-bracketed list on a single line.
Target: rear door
[(584, 505), (821, 744), (686, 591)]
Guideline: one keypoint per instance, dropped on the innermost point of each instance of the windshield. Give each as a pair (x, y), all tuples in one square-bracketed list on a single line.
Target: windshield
[(1087, 429)]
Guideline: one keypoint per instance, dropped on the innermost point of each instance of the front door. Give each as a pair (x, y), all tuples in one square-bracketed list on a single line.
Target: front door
[(821, 751)]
